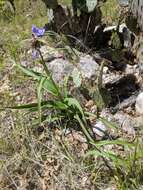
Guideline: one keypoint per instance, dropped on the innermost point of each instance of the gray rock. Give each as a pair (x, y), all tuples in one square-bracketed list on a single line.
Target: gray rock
[(129, 126), (48, 51), (141, 68), (139, 104), (127, 122), (139, 121), (99, 130), (60, 68), (131, 69), (120, 117), (87, 66), (139, 53), (112, 187), (136, 8), (126, 36), (141, 188), (123, 2), (105, 113), (127, 103)]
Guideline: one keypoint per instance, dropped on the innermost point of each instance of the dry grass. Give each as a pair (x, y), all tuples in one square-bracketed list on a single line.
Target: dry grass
[(34, 157)]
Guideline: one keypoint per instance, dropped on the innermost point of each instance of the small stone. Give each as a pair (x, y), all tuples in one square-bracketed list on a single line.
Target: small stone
[(139, 104), (127, 123), (88, 66), (105, 70), (38, 69), (93, 109), (18, 98), (139, 120), (111, 188), (89, 104), (128, 126), (130, 69), (99, 130), (60, 68), (123, 3), (141, 68)]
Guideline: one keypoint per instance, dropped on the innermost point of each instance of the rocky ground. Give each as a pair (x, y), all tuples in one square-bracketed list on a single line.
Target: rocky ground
[(46, 157)]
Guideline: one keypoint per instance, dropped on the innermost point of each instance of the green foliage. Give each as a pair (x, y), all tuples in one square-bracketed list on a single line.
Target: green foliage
[(98, 93), (110, 12), (76, 78), (45, 83), (66, 108), (130, 174), (115, 40), (6, 10)]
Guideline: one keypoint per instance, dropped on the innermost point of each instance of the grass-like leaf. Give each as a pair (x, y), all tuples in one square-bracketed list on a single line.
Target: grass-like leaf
[(108, 154), (113, 142), (75, 104), (47, 84), (108, 123)]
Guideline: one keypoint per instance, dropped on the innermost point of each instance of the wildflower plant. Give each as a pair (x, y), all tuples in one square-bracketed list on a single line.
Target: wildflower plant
[(62, 107)]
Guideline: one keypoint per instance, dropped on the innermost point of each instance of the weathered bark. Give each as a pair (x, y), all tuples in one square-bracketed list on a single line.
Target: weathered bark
[(137, 11)]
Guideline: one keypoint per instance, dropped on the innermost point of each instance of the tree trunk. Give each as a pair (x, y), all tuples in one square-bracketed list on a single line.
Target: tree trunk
[(137, 11)]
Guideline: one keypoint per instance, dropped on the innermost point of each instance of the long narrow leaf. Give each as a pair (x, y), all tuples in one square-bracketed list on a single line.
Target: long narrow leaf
[(108, 154), (108, 123), (48, 83), (113, 142), (84, 129), (30, 106), (65, 86), (75, 104), (29, 72)]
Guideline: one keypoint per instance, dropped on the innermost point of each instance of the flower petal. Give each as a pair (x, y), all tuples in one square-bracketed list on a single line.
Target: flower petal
[(35, 54), (38, 31)]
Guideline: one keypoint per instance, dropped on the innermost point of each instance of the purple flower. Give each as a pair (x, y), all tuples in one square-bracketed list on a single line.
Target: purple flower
[(35, 54), (38, 31)]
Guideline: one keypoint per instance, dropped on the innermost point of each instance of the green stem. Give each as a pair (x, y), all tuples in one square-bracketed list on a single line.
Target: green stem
[(85, 131), (49, 74), (92, 141)]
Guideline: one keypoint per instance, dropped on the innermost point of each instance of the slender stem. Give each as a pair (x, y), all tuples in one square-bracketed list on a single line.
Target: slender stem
[(92, 141), (86, 132), (48, 73)]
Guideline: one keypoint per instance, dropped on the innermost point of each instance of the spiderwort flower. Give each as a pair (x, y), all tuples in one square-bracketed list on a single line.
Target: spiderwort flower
[(35, 54), (39, 32)]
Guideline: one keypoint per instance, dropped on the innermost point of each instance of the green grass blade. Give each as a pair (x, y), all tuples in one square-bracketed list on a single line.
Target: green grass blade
[(113, 142), (60, 105), (30, 106), (108, 154), (48, 83), (65, 86), (108, 123), (84, 129), (29, 72), (75, 104)]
